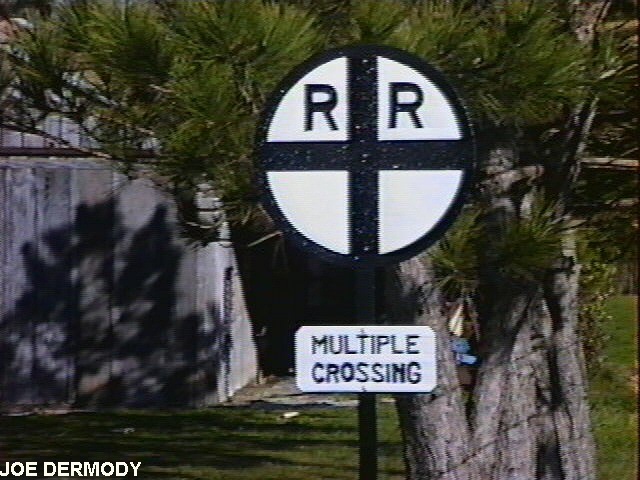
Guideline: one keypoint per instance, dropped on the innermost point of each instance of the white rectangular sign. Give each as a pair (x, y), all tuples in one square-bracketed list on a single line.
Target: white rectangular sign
[(356, 358)]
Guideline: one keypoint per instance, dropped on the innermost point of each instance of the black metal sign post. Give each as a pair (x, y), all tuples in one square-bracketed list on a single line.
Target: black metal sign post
[(364, 225), (366, 157), (367, 419), (368, 436)]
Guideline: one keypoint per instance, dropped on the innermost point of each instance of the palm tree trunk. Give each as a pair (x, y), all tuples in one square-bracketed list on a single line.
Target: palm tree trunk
[(531, 417), (507, 411), (572, 423), (437, 443)]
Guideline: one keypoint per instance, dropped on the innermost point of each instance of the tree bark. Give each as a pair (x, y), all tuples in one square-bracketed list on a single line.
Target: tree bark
[(507, 414), (571, 418), (434, 426)]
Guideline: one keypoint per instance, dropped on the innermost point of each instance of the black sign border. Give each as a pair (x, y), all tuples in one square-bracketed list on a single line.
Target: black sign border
[(445, 222)]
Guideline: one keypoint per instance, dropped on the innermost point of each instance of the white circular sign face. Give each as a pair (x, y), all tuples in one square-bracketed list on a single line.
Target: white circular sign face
[(366, 154)]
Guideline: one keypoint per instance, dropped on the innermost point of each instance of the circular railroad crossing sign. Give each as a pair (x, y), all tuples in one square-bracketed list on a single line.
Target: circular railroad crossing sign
[(365, 154)]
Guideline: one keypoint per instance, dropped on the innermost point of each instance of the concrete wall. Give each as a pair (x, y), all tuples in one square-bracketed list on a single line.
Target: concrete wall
[(102, 303)]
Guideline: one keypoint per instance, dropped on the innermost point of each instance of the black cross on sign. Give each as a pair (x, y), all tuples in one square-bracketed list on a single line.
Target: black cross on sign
[(363, 115)]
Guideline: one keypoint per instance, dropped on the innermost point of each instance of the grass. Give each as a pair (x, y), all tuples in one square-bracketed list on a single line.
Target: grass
[(247, 443), (613, 398), (213, 444)]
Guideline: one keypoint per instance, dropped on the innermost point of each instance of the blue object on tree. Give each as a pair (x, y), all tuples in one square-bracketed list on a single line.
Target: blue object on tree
[(464, 359), (460, 345)]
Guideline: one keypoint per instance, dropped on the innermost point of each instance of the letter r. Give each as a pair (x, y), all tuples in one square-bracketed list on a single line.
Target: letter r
[(313, 105), (395, 88)]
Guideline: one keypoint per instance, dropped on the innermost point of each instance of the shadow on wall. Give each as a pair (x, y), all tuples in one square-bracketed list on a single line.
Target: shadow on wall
[(96, 322)]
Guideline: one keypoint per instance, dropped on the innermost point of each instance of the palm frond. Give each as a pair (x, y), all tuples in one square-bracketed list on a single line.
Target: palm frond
[(525, 248), (455, 258)]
